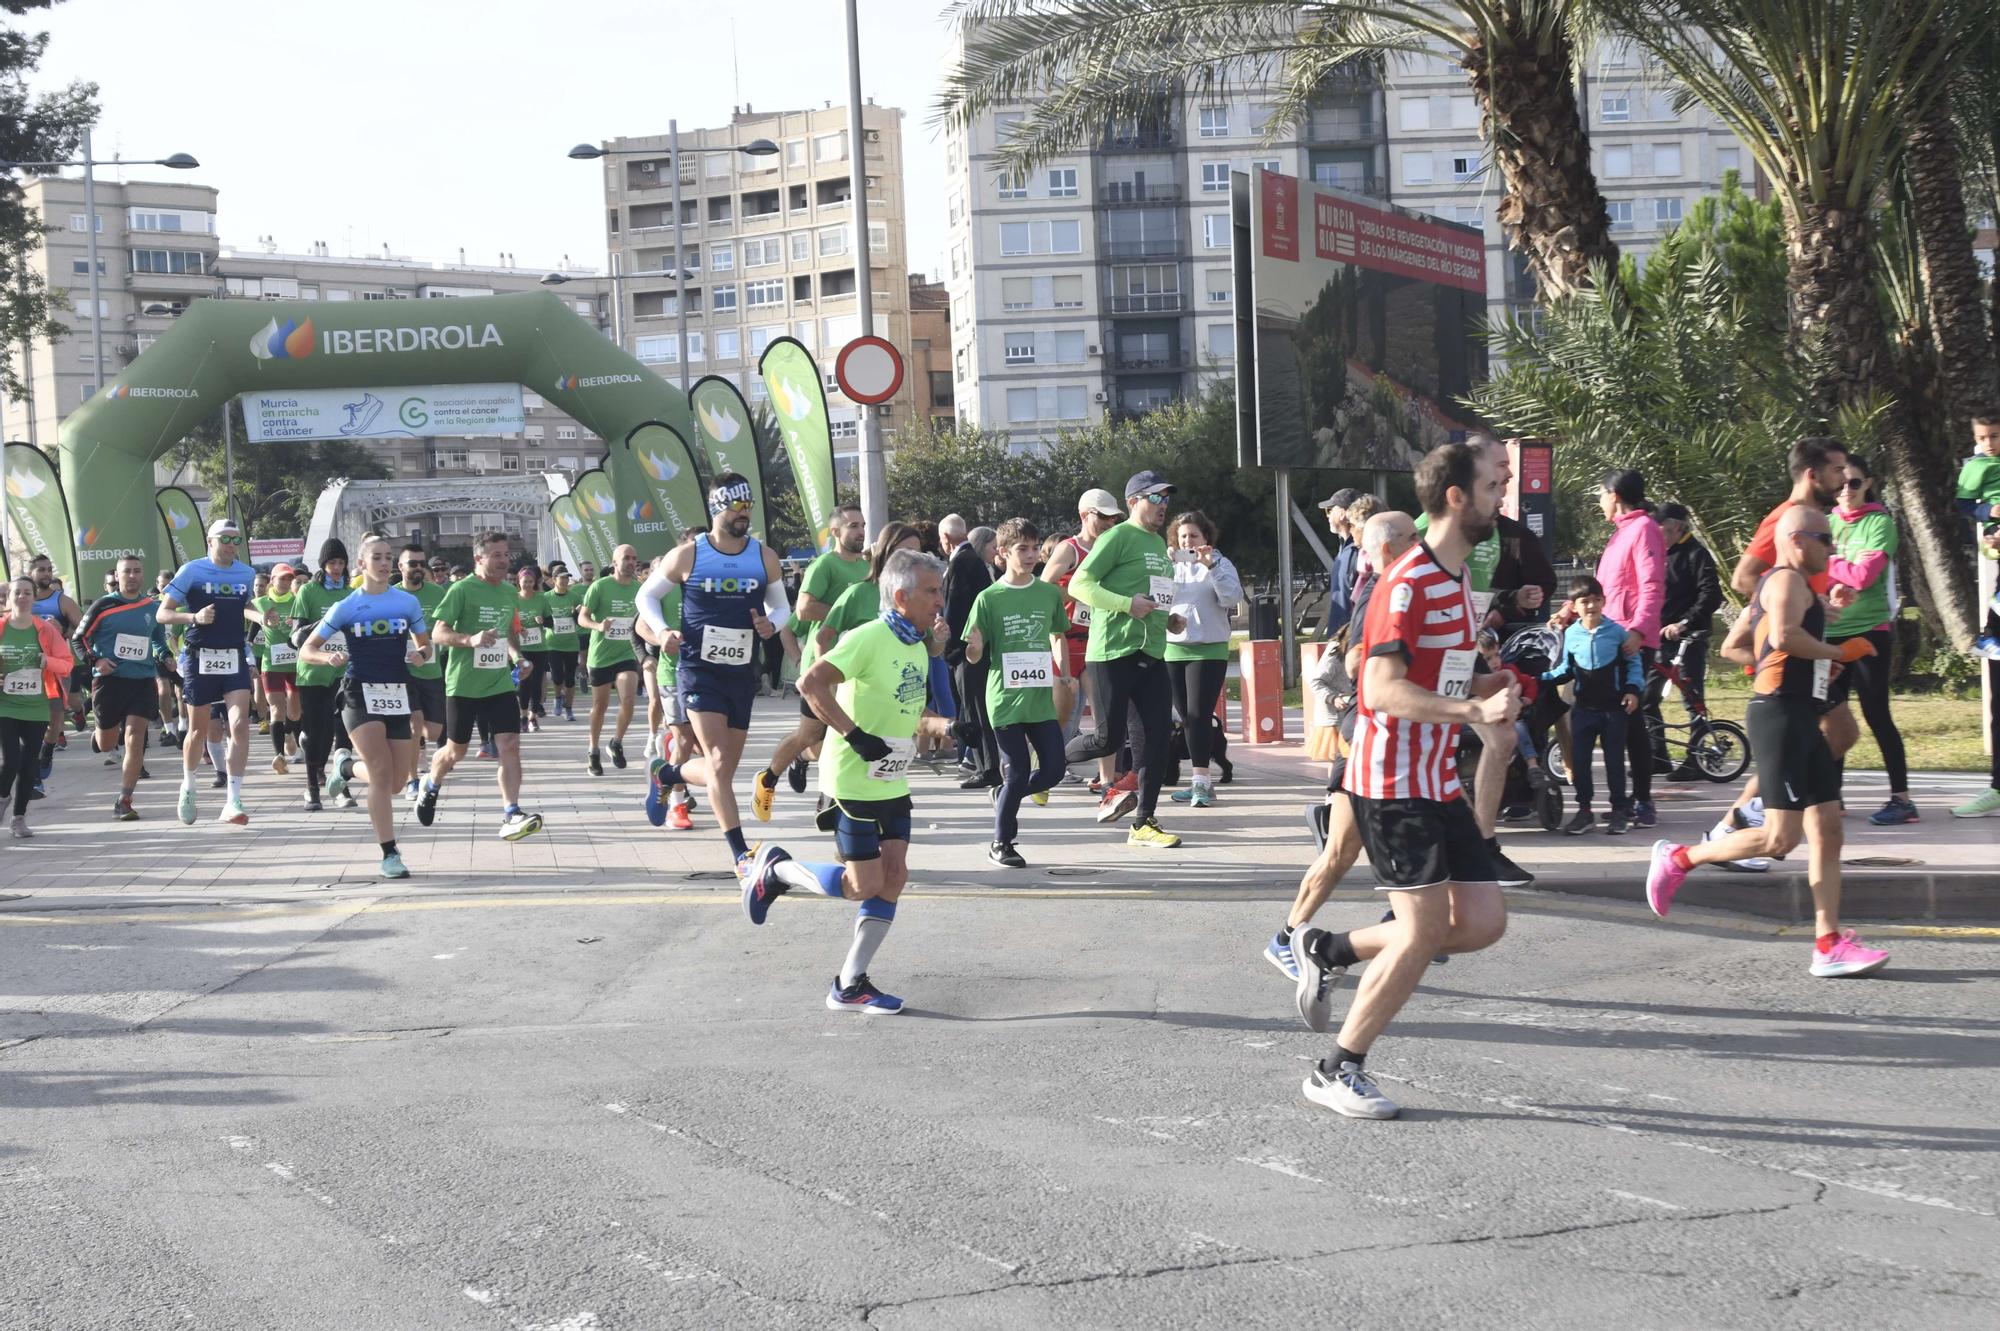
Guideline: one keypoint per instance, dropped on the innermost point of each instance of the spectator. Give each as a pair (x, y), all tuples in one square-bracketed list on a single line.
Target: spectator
[(1206, 591), (1694, 594), (1865, 542), (951, 535), (1633, 573), (1524, 581), (1346, 551), (1987, 802), (969, 573), (1607, 683)]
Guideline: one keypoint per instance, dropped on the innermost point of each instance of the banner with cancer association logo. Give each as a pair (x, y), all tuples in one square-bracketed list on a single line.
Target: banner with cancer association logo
[(799, 400), (722, 419), (35, 507), (572, 531), (186, 538), (597, 505), (673, 500)]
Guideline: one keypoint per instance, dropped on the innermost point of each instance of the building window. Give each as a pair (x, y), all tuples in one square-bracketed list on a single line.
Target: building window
[(1416, 168), (192, 263), (77, 222), (1215, 231), (830, 147), (728, 344), (761, 338), (656, 350), (1067, 292), (1728, 159), (1215, 177), (1013, 184), (1068, 349), (510, 462), (721, 258), (533, 432), (1222, 341), (81, 267), (1275, 165), (1621, 214), (1464, 168), (763, 253), (1016, 237), (1618, 162), (1062, 182), (878, 237), (168, 219), (1614, 106), (1020, 348), (1415, 112), (1220, 287), (832, 241), (1021, 406), (723, 297), (1472, 217), (534, 464), (1214, 122), (1017, 293), (1072, 402), (695, 351), (795, 152), (770, 291), (1667, 212), (565, 432), (1667, 160), (843, 429), (1464, 113), (802, 243)]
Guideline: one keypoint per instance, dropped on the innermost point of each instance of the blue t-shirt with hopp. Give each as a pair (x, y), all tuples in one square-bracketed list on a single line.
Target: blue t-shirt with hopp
[(202, 583), (377, 627)]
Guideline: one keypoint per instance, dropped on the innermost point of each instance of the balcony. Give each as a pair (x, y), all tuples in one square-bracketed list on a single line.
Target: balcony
[(1141, 139), (1143, 248), (1144, 363), (1128, 194), (181, 285), (1151, 302)]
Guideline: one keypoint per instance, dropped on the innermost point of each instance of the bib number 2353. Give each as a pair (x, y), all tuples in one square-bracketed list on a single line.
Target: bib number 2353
[(386, 699)]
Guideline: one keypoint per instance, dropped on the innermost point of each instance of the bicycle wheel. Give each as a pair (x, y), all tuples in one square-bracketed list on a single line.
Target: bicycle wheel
[(1721, 750)]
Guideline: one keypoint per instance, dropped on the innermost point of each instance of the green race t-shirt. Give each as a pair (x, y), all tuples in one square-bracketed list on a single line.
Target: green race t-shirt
[(826, 578), (1127, 561), (1014, 625), (533, 610), (280, 618), (616, 604), (1480, 563), (428, 596), (857, 606), (1979, 478), (1871, 531), (883, 686), (562, 619), (21, 696), (670, 610), (473, 605), (311, 602)]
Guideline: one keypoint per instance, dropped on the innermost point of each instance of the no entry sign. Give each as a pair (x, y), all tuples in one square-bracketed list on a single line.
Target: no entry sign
[(868, 370)]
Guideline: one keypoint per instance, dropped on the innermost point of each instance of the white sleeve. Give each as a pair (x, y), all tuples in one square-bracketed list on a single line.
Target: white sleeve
[(650, 591), (777, 607)]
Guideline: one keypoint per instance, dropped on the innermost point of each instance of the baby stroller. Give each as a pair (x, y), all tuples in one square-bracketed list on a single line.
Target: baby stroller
[(1532, 650)]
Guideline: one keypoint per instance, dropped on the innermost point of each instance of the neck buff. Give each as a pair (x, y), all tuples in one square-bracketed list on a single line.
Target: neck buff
[(899, 624)]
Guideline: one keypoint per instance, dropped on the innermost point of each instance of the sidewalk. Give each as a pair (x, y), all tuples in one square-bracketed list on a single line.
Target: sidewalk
[(1253, 843)]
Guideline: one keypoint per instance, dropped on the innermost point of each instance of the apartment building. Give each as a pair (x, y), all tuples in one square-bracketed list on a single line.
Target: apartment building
[(1100, 283), (767, 248), (159, 250), (929, 361)]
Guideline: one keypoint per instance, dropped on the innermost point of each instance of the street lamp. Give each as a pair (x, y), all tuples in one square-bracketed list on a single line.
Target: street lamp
[(586, 152), (177, 162)]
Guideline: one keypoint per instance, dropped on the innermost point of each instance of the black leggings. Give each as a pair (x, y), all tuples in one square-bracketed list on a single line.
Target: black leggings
[(1196, 685), (1020, 780), (1870, 686), (20, 747), (529, 690), (1137, 682), (317, 716)]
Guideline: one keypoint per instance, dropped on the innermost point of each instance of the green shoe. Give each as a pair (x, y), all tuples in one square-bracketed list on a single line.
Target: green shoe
[(187, 808), (392, 866), (1983, 805), (1203, 798)]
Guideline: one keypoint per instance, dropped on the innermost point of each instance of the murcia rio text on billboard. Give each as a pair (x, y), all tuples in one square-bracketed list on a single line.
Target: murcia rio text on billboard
[(449, 337)]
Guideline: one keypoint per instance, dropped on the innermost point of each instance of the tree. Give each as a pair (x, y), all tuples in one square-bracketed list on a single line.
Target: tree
[(276, 484), (44, 127), (1089, 63)]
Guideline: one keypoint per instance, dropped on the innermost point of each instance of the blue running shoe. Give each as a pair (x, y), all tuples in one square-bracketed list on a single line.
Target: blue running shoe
[(392, 866), (656, 801), (760, 886), (1894, 814), (863, 997), (48, 764), (1279, 953), (1643, 814)]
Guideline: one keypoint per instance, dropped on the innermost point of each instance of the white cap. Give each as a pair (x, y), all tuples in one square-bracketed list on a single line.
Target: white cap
[(223, 527), (1100, 501)]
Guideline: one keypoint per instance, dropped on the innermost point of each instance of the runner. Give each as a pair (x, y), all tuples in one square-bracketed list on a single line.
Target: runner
[(209, 596), (319, 709), (1096, 513), (561, 645), (610, 608), (384, 629), (1987, 647), (276, 613), (731, 593), (477, 618), (260, 707), (427, 702), (35, 665), (1417, 688), (660, 603), (53, 606), (1781, 634), (829, 574), (534, 612), (869, 689), (121, 643), (1125, 578), (1020, 621)]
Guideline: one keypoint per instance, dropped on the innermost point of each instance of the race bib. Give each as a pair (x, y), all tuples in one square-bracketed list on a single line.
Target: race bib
[(1481, 603), (530, 637), (1027, 670), (282, 654), (385, 699), (24, 683), (1455, 675), (619, 630), (1079, 615), (492, 657), (897, 764), (336, 642), (216, 661), (1822, 676), (725, 646), (1162, 590), (563, 624), (132, 647)]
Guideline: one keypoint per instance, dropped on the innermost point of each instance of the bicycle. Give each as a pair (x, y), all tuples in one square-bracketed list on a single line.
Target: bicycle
[(1716, 748)]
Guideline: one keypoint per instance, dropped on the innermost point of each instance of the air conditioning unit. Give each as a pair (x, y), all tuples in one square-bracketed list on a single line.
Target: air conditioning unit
[(872, 135), (1096, 350), (1100, 397), (478, 471), (649, 167)]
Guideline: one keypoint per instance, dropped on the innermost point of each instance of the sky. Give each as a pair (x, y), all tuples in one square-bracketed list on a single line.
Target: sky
[(439, 124)]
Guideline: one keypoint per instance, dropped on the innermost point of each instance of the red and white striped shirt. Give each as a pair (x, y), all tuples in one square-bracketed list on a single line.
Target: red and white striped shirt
[(1424, 615)]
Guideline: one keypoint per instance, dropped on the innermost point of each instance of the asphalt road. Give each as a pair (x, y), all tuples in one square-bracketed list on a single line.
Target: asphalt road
[(630, 1110)]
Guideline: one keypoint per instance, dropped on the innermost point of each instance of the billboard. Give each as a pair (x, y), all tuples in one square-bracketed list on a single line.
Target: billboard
[(420, 411), (1363, 324)]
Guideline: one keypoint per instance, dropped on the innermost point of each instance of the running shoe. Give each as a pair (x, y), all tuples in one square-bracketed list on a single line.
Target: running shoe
[(232, 813), (1618, 825), (1663, 878), (264, 726), (863, 997), (1510, 874), (1581, 823), (1096, 786), (1983, 805), (38, 793), (1116, 804), (392, 866), (617, 748), (652, 747), (656, 804), (48, 766), (518, 824), (1279, 953), (1040, 797), (186, 807), (1517, 813), (124, 812), (1643, 814), (345, 801), (279, 765), (595, 766), (19, 829), (1149, 833), (677, 818), (1847, 959), (1316, 979), (221, 781), (1894, 813), (336, 781), (489, 751), (1350, 1092), (761, 886), (1732, 822), (311, 803), (427, 804), (795, 775), (763, 793), (412, 790), (1003, 854)]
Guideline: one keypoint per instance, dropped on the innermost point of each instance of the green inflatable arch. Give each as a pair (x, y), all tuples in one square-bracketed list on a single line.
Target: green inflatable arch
[(221, 348)]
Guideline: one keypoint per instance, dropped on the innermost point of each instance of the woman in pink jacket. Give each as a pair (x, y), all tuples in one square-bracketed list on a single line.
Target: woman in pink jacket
[(34, 667), (1633, 570)]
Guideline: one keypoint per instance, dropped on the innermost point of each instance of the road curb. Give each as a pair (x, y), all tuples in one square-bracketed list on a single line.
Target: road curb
[(1961, 896)]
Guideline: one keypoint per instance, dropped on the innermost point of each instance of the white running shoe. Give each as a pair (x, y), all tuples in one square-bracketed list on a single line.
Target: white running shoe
[(1755, 863), (1350, 1092)]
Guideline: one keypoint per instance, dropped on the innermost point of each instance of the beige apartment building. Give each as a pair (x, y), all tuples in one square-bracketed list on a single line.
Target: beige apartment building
[(159, 249), (767, 249)]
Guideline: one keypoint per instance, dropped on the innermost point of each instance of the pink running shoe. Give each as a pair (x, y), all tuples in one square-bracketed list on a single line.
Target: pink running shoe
[(1848, 958), (1663, 878)]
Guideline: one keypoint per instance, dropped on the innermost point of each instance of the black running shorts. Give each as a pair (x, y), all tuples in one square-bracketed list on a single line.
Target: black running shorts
[(1422, 843), (1795, 767), (500, 711)]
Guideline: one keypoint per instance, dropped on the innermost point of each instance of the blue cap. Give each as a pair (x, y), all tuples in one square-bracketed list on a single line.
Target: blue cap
[(1146, 483)]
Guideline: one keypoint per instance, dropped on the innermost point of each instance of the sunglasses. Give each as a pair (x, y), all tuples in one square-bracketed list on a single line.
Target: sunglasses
[(230, 540), (1852, 484), (737, 506), (1823, 537), (1157, 498)]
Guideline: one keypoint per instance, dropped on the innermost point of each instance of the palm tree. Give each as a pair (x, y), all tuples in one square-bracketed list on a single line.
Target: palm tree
[(1817, 91), (1086, 63)]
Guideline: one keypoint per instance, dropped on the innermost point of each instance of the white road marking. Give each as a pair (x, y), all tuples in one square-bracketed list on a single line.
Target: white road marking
[(1641, 1197), (1280, 1165)]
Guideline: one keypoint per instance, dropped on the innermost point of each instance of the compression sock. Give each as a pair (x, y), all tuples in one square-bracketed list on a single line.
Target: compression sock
[(389, 846), (1337, 950), (1824, 943), (236, 789), (737, 845), (871, 926), (1680, 858), (825, 879), (277, 737)]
